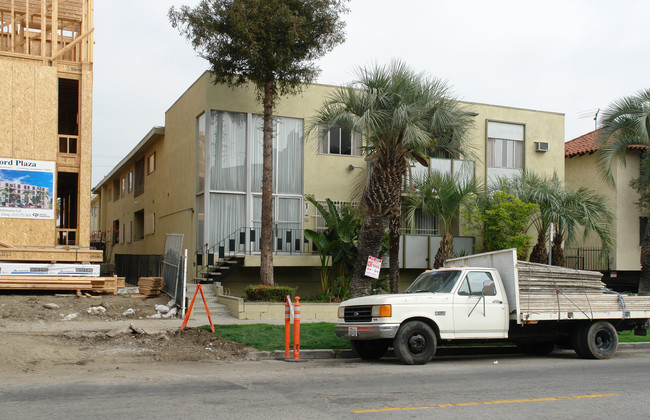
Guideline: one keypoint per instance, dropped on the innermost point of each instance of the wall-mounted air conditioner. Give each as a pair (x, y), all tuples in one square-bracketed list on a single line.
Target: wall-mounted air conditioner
[(542, 146)]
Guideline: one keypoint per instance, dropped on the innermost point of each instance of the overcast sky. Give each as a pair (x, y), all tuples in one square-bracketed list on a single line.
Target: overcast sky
[(571, 56)]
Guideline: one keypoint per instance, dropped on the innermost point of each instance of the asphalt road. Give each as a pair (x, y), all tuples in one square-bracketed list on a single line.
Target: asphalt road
[(450, 387)]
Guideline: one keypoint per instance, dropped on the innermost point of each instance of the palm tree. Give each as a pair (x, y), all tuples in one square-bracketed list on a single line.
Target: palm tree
[(626, 123), (441, 196), (569, 211), (402, 115)]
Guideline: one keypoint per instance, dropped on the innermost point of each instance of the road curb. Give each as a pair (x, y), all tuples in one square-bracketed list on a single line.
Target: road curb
[(446, 351)]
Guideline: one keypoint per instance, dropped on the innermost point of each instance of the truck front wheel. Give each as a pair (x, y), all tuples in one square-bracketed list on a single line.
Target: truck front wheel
[(598, 340), (370, 349), (415, 343)]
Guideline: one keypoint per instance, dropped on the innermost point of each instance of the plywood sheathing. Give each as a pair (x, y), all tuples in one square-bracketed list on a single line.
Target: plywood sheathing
[(28, 126), (62, 255)]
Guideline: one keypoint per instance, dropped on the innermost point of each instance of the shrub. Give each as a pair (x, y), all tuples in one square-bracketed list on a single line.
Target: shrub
[(262, 293)]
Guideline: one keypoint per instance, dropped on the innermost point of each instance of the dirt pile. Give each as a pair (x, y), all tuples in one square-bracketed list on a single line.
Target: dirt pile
[(37, 332)]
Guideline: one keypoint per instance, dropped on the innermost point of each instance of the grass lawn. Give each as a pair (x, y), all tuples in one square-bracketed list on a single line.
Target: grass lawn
[(315, 336), (266, 337)]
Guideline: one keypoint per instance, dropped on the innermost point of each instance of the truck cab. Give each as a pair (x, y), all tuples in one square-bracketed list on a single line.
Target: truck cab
[(450, 303)]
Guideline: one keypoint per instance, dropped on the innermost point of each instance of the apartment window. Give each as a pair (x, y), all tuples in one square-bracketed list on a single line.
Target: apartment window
[(505, 148), (116, 231), (116, 190), (138, 225), (151, 163), (139, 177), (505, 151), (130, 181), (123, 187), (339, 141), (67, 144)]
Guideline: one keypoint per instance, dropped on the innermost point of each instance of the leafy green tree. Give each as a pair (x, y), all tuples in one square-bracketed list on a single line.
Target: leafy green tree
[(402, 115), (502, 219), (441, 196), (273, 45), (626, 124)]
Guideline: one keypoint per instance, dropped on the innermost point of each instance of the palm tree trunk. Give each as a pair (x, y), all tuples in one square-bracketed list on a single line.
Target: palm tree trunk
[(370, 238), (557, 256), (395, 234), (266, 237), (539, 254), (445, 251), (644, 280)]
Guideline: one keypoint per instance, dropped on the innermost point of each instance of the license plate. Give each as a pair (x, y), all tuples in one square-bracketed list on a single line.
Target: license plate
[(353, 331)]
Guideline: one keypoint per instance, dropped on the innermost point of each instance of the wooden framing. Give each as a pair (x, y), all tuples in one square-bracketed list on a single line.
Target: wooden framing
[(48, 29), (41, 43)]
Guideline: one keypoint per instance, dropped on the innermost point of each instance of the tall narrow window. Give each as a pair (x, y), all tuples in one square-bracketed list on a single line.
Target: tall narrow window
[(130, 181), (151, 163), (505, 150), (138, 187)]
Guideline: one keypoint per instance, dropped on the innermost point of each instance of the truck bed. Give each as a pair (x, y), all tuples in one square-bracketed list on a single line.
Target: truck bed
[(539, 292)]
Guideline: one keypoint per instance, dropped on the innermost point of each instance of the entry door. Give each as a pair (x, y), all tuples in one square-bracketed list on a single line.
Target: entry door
[(479, 308)]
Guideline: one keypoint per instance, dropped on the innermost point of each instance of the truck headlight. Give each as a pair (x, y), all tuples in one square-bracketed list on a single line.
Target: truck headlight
[(381, 311), (341, 312)]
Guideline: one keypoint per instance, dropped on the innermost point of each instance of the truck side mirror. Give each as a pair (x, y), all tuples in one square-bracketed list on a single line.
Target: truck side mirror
[(488, 288)]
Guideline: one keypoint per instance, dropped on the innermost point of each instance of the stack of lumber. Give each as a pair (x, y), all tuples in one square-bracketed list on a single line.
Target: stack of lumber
[(92, 284), (150, 286), (107, 284), (540, 278), (45, 283), (570, 293)]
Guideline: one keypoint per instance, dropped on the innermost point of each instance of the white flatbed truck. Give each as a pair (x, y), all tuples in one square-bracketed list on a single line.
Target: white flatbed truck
[(493, 297)]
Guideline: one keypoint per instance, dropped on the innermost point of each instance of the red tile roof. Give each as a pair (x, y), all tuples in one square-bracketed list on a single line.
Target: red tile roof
[(587, 143)]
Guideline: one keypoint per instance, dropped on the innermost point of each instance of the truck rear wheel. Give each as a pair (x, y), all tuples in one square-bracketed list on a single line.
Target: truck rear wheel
[(597, 340), (370, 349), (415, 343)]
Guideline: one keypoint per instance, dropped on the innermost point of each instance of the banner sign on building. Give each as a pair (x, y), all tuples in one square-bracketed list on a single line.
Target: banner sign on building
[(26, 189)]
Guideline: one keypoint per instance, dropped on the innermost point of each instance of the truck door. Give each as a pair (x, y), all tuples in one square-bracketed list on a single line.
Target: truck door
[(479, 307)]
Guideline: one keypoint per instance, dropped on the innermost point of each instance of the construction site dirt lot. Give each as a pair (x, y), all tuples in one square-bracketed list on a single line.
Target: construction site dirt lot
[(39, 332)]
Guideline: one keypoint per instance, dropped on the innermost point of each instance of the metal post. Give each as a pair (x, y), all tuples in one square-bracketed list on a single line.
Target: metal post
[(550, 243)]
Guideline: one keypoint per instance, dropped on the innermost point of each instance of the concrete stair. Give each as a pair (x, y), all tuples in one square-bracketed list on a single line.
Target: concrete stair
[(210, 292)]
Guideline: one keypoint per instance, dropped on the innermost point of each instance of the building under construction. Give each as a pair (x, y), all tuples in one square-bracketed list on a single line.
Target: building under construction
[(46, 80)]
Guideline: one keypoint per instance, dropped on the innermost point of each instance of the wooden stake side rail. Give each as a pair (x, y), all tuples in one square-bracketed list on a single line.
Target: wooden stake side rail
[(564, 306), (92, 284)]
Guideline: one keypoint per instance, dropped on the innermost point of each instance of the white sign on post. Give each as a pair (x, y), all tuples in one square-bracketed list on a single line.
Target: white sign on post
[(372, 267)]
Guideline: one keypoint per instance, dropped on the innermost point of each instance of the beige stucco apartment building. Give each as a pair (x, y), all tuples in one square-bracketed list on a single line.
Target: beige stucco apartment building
[(200, 175), (582, 170)]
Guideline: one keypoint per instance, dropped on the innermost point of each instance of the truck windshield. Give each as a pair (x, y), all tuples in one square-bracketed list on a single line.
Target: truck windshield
[(434, 282)]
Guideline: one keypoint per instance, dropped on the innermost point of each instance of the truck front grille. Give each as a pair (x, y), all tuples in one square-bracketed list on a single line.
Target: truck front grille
[(358, 314)]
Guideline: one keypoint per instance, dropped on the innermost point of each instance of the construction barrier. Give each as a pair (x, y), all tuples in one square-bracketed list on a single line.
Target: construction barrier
[(296, 329), (189, 310)]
